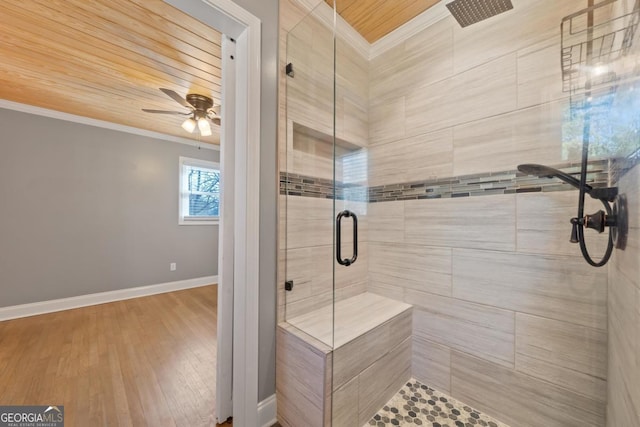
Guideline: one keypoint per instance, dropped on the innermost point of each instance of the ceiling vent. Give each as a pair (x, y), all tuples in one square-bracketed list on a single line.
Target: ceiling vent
[(469, 12)]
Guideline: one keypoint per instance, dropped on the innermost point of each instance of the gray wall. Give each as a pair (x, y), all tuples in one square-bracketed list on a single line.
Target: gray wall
[(86, 210), (267, 12)]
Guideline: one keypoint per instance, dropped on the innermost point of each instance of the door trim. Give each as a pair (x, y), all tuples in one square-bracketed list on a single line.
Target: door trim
[(238, 292)]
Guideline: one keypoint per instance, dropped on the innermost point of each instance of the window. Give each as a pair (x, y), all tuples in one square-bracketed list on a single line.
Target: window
[(199, 192)]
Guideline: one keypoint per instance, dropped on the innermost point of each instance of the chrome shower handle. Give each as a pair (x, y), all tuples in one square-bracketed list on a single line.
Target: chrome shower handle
[(346, 261)]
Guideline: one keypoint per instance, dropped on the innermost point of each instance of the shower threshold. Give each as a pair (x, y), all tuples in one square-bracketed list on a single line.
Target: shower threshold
[(417, 404)]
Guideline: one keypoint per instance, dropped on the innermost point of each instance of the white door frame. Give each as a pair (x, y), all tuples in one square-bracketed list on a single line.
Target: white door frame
[(238, 288)]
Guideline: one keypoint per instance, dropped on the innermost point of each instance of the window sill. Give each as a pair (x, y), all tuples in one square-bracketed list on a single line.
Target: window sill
[(199, 222)]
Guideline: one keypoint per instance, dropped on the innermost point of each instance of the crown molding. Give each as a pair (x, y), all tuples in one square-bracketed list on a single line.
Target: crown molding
[(30, 109), (427, 18)]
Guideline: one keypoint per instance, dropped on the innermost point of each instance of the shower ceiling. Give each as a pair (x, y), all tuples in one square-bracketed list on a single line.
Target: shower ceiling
[(374, 19)]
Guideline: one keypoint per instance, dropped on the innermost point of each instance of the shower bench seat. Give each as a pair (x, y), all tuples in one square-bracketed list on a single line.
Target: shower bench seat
[(352, 357)]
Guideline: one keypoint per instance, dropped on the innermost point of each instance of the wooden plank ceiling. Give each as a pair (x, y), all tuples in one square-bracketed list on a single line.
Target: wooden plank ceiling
[(106, 59), (374, 19)]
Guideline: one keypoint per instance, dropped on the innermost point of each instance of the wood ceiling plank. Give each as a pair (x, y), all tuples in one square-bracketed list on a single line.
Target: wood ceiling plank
[(113, 21), (374, 19), (57, 94), (383, 16), (78, 79), (85, 59), (140, 70), (341, 5), (80, 24), (171, 27), (168, 12)]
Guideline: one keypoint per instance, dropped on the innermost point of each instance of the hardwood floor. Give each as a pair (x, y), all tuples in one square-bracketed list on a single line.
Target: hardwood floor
[(147, 361)]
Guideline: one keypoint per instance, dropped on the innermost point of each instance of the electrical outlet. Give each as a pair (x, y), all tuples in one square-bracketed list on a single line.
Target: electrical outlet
[(172, 266)]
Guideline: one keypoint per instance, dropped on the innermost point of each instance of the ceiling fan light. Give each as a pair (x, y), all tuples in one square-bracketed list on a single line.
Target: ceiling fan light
[(204, 126), (189, 125)]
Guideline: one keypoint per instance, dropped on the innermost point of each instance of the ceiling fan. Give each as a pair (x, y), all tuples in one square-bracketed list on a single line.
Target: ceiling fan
[(201, 111)]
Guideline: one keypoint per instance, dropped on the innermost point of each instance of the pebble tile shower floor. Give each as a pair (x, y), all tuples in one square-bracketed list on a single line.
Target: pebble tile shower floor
[(417, 404)]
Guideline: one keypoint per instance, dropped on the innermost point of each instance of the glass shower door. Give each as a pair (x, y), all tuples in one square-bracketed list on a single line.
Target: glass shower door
[(324, 192), (308, 189)]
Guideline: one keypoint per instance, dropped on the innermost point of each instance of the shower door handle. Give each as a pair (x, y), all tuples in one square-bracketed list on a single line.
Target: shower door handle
[(346, 261)]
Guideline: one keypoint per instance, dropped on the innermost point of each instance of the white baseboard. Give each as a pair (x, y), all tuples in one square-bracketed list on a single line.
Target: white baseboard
[(267, 412), (25, 310)]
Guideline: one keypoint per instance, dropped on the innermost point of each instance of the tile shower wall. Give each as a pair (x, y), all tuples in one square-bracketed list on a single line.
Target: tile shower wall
[(507, 316), (306, 156), (623, 409)]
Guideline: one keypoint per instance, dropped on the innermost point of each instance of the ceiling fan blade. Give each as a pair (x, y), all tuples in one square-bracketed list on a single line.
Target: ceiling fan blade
[(180, 100), (215, 118), (165, 112), (216, 109)]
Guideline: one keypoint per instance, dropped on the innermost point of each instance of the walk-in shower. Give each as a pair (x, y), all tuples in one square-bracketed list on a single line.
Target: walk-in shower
[(426, 278)]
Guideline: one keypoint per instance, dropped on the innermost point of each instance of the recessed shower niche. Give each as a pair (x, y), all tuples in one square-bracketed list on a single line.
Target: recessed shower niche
[(312, 153)]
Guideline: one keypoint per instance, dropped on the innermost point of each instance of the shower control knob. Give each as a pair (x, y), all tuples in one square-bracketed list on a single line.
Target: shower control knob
[(596, 221), (575, 222)]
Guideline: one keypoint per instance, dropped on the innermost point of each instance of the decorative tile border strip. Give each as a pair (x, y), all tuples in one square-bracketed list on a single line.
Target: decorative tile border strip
[(491, 183), (307, 186), (484, 184)]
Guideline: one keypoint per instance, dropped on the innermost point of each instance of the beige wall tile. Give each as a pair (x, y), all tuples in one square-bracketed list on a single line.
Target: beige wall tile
[(544, 228), (624, 346), (355, 121), (350, 291), (310, 94), (422, 157), (539, 73), (380, 288), (386, 222), (425, 58), (297, 263), (553, 286), (309, 222), (387, 120), (480, 91), (480, 330), (468, 222), (383, 379), (345, 404), (355, 356), (528, 23), (531, 135), (297, 308), (568, 355), (518, 399), (636, 391), (412, 266), (300, 381), (356, 272), (431, 364), (624, 317), (291, 13), (626, 261)]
